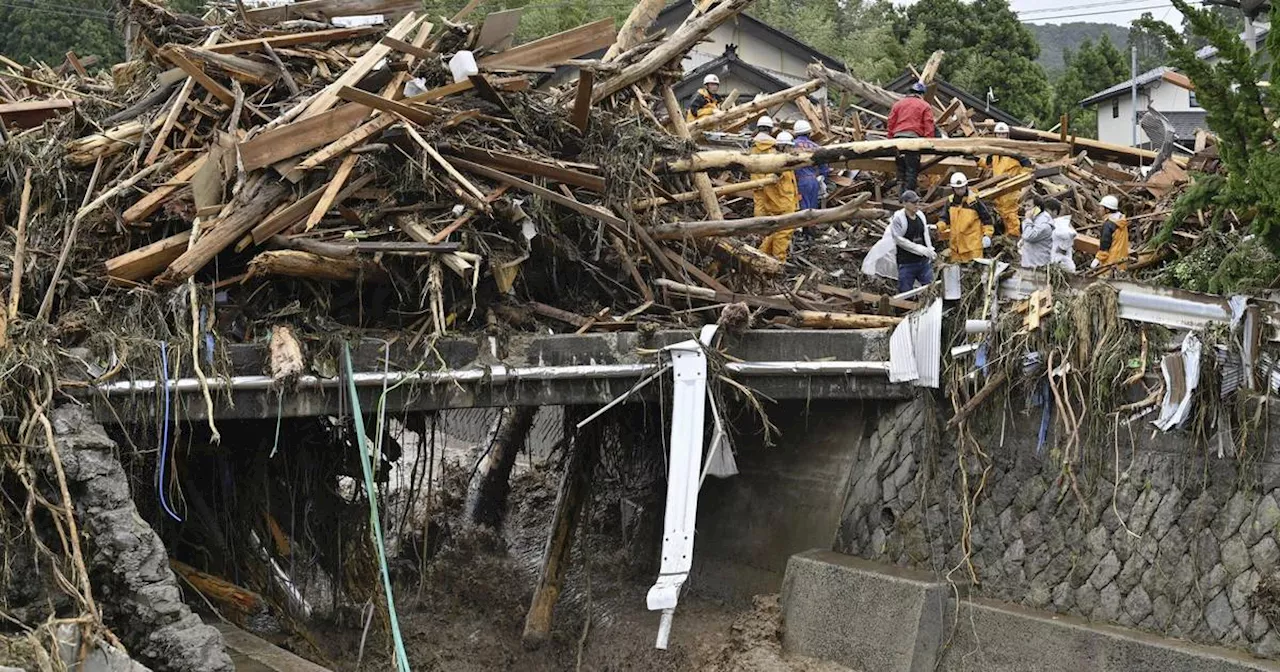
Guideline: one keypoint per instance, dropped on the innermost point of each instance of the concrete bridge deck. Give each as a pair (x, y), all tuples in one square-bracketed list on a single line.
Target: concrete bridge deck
[(520, 370)]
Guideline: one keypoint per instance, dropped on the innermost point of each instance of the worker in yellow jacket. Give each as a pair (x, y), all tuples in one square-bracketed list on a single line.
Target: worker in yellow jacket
[(780, 198), (968, 221), (706, 101), (1006, 205), (1113, 245)]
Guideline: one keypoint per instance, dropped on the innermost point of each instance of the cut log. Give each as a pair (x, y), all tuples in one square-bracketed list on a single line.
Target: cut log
[(722, 190), (1096, 149), (487, 492), (545, 51), (571, 500), (834, 154), (864, 90), (633, 30), (253, 202), (237, 604), (675, 45), (298, 264), (755, 108), (769, 224), (715, 296)]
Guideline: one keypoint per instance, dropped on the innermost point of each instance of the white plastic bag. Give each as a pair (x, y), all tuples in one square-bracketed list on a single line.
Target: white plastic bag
[(1064, 240), (882, 258)]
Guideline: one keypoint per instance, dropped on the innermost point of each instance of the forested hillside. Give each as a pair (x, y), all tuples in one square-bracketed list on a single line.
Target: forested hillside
[(1054, 38)]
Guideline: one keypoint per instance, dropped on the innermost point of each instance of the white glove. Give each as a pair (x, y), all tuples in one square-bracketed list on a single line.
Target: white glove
[(986, 242), (1095, 264), (932, 255)]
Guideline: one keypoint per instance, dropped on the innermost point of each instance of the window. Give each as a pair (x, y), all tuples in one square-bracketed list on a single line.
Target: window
[(1194, 102), (1115, 108)]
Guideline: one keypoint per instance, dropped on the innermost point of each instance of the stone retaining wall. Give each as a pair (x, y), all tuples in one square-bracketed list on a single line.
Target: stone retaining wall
[(1179, 548)]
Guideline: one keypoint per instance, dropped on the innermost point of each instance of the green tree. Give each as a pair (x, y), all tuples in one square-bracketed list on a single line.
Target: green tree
[(1230, 16), (1152, 51), (46, 32), (988, 50), (858, 32), (1243, 114), (1089, 69)]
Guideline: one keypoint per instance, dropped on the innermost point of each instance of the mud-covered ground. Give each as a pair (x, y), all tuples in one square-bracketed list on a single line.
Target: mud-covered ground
[(467, 613)]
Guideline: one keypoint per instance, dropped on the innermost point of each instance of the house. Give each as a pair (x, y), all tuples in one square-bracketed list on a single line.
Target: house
[(1162, 89)]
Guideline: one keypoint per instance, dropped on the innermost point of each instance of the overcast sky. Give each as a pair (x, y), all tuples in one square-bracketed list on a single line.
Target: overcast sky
[(1119, 12)]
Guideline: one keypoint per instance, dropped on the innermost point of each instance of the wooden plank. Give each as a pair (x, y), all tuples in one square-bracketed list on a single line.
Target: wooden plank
[(571, 43), (255, 201), (32, 113), (379, 103), (526, 166), (147, 260), (236, 67), (582, 102), (148, 204), (331, 191), (280, 143), (279, 221), (405, 47), (1178, 79), (468, 192), (202, 78), (498, 29), (170, 120), (618, 225), (293, 39), (253, 654)]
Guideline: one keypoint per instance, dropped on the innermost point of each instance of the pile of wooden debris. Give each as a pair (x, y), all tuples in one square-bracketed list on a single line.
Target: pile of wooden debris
[(432, 177)]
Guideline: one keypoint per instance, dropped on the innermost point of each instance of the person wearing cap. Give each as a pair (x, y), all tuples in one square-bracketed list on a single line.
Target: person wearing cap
[(706, 101), (779, 198), (1113, 245), (967, 220), (910, 117), (810, 179), (1006, 205), (764, 125), (1036, 242), (914, 249)]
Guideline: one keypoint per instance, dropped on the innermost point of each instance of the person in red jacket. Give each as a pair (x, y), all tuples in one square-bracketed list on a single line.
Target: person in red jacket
[(910, 117)]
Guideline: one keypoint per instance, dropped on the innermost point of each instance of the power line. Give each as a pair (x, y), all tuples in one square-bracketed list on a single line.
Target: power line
[(59, 11), (1103, 12), (1052, 10)]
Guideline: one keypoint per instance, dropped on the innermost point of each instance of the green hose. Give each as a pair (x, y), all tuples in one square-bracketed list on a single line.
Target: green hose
[(402, 659)]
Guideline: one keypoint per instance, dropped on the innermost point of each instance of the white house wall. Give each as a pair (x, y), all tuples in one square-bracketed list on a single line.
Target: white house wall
[(777, 58), (1162, 96)]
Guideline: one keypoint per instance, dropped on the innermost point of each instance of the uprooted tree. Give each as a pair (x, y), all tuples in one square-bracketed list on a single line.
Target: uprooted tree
[(1243, 114)]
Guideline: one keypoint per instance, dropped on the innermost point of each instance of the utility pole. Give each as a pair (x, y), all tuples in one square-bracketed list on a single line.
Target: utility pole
[(1133, 91)]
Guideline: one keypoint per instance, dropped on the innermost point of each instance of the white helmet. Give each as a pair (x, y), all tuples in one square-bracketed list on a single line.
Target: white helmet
[(959, 180), (802, 127), (785, 138), (1110, 202), (710, 79), (1002, 127), (764, 122)]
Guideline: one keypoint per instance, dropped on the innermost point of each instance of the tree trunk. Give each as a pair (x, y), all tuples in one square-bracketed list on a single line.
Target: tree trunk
[(837, 154), (819, 320), (487, 492), (575, 488), (768, 224), (864, 90), (701, 181), (634, 28)]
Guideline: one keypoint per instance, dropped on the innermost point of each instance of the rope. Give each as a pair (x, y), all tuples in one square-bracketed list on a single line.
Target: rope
[(164, 436), (402, 658)]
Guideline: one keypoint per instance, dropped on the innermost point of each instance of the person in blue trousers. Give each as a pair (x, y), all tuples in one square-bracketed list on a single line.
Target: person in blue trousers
[(915, 253)]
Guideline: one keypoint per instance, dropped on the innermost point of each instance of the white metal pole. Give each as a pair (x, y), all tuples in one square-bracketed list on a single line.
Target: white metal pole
[(1133, 91)]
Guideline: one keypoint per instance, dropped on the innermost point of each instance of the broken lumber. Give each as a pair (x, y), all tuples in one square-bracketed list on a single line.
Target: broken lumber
[(813, 319), (701, 181), (722, 190), (754, 108), (299, 264), (545, 51), (255, 201), (768, 224), (864, 90)]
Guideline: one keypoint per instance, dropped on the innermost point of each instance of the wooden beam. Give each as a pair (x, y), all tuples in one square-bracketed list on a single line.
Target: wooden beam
[(32, 113), (462, 187), (754, 108), (194, 71), (327, 9), (635, 28), (618, 225), (236, 67), (148, 204), (582, 102), (526, 166), (330, 196), (293, 39), (381, 104), (733, 227), (255, 201), (328, 97), (864, 90), (280, 220), (722, 190), (554, 48)]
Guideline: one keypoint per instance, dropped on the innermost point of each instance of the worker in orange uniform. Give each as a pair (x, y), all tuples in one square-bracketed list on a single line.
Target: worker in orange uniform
[(780, 198), (910, 117), (968, 220), (706, 101), (1113, 246), (1006, 205)]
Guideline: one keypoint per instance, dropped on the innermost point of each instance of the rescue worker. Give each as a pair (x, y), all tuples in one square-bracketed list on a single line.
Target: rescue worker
[(910, 117), (1006, 205), (706, 101), (914, 250), (779, 198), (1113, 245), (1036, 243), (810, 180), (764, 125), (968, 220)]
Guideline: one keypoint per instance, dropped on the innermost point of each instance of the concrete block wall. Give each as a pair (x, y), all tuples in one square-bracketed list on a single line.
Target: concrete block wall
[(1178, 548)]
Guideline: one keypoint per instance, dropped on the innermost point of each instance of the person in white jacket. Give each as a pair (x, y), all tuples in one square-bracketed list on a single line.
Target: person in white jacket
[(914, 251), (1064, 243), (1036, 242)]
